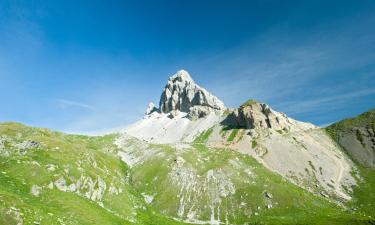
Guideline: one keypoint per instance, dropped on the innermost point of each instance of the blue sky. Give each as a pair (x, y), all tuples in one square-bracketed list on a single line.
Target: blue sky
[(91, 66)]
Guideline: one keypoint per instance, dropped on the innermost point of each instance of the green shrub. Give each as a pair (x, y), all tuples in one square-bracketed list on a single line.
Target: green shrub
[(249, 103), (254, 144)]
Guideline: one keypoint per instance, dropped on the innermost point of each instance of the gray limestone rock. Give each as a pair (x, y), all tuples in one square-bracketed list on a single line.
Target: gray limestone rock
[(183, 94), (258, 115)]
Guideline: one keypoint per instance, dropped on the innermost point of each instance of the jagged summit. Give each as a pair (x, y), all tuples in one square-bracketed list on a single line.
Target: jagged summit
[(186, 109), (182, 94), (182, 76)]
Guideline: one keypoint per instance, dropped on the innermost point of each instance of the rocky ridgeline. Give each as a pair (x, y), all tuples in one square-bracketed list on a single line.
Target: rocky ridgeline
[(182, 94), (255, 115), (186, 110)]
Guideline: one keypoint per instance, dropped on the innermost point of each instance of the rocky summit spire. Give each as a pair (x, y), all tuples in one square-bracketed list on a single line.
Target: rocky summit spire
[(182, 94)]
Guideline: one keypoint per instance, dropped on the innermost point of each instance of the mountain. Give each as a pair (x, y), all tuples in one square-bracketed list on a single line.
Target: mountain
[(190, 160), (187, 111)]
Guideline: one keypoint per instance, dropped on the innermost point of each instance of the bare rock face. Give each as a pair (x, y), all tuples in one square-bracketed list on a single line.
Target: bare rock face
[(199, 111), (182, 94), (173, 114), (151, 108), (253, 115)]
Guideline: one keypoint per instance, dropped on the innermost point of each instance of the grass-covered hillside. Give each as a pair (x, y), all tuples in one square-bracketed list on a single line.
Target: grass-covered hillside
[(356, 137), (52, 178)]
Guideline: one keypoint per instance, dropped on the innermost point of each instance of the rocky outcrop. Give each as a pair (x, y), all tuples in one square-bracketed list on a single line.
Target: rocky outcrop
[(186, 110), (253, 115), (181, 93), (199, 111)]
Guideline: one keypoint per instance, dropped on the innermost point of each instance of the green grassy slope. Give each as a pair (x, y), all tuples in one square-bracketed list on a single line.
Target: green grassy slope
[(93, 185), (221, 185), (364, 194), (52, 178)]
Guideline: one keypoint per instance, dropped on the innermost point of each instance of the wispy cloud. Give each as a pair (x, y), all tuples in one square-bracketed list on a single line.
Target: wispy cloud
[(63, 103), (307, 73), (309, 77), (329, 103)]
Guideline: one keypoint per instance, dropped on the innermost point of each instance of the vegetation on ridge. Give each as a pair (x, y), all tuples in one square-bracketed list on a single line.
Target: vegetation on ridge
[(366, 119), (249, 102)]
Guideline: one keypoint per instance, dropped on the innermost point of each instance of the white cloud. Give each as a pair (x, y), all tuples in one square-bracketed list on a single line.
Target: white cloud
[(329, 103), (63, 103), (311, 73)]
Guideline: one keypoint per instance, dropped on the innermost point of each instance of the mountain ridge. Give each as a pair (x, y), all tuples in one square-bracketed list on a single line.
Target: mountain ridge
[(183, 99), (249, 165), (253, 128)]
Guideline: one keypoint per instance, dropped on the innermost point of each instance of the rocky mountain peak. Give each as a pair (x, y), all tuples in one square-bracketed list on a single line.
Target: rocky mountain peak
[(182, 94), (181, 76)]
